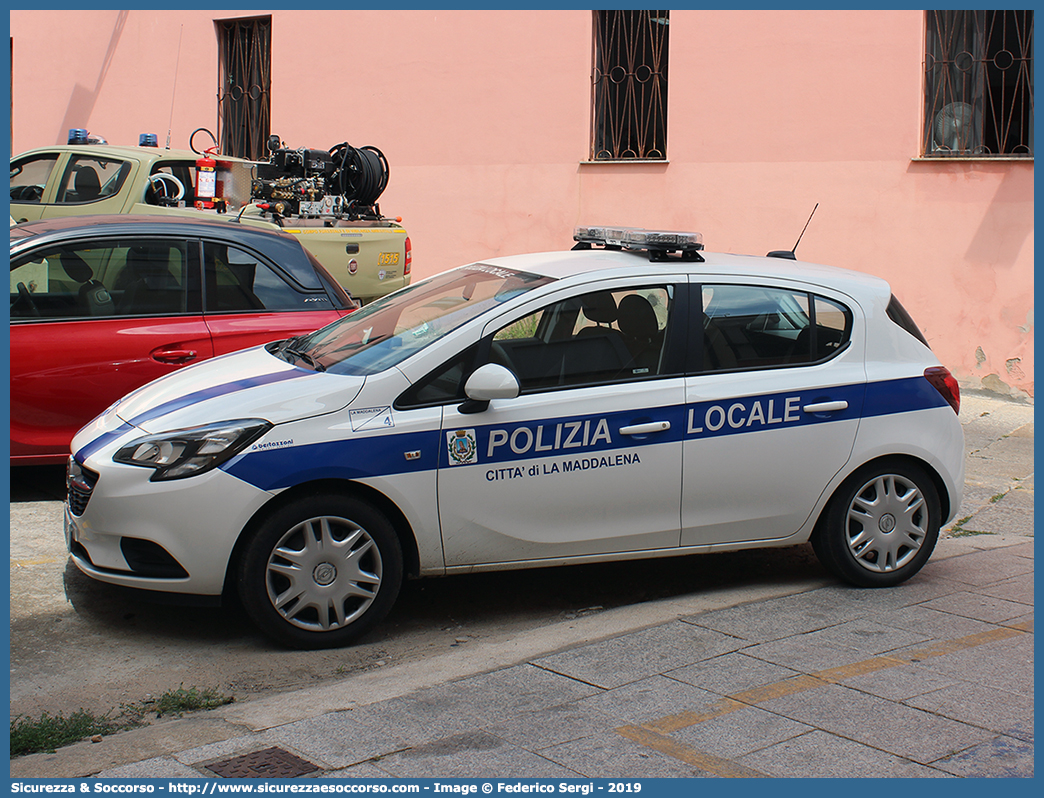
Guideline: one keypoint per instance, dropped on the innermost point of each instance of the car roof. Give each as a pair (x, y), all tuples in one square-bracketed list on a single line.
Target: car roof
[(125, 151), (142, 224), (584, 263)]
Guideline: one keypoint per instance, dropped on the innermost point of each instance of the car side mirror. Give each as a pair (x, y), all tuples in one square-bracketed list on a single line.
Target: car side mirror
[(488, 382)]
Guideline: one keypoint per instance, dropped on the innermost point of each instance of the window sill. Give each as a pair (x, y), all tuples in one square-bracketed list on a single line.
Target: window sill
[(615, 161), (974, 158)]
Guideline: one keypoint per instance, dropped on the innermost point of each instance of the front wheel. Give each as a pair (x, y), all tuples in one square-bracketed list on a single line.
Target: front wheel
[(881, 525), (320, 571)]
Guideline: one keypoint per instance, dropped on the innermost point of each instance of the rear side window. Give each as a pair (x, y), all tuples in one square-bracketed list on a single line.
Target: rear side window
[(751, 327), (237, 279), (897, 313), (183, 171), (88, 178)]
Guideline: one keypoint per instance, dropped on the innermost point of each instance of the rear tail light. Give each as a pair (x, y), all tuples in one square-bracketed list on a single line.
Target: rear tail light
[(942, 380), (409, 257)]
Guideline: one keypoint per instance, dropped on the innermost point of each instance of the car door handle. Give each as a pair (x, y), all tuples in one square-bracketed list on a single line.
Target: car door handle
[(826, 407), (174, 356), (645, 429)]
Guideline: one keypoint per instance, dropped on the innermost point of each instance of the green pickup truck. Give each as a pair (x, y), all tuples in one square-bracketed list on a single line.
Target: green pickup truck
[(325, 198)]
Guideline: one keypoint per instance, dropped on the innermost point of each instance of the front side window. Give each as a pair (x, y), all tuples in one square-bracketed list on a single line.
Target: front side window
[(444, 384), (88, 178), (29, 177), (140, 277), (394, 327), (604, 336), (749, 327), (629, 85), (978, 84)]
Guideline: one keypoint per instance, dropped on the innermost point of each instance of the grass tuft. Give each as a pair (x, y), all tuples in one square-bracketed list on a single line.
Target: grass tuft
[(967, 533), (176, 702), (50, 732)]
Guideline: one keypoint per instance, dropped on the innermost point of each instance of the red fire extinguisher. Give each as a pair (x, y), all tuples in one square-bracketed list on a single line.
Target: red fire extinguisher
[(206, 180)]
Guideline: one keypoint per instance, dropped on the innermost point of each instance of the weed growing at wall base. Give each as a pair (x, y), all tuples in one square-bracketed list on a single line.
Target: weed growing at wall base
[(49, 732)]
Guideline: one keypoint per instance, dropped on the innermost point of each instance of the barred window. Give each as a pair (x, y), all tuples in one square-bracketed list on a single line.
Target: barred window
[(244, 93), (978, 84), (629, 85)]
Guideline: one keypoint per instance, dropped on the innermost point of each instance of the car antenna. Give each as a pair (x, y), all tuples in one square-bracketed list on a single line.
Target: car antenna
[(177, 62), (790, 254)]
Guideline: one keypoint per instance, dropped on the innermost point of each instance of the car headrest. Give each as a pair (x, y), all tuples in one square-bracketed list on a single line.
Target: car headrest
[(87, 183), (599, 307), (76, 267), (637, 319)]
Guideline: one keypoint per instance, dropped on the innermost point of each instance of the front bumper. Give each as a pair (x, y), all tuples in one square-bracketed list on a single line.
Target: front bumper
[(174, 536)]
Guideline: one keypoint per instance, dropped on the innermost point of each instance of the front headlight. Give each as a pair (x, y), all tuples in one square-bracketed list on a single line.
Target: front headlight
[(187, 452)]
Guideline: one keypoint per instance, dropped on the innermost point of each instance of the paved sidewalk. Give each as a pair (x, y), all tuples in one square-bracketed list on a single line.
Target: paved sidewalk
[(933, 678)]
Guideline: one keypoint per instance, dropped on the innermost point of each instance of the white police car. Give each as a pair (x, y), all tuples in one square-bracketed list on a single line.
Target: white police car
[(635, 397)]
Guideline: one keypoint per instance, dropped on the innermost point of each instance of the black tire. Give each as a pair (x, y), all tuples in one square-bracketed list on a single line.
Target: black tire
[(320, 571), (881, 525)]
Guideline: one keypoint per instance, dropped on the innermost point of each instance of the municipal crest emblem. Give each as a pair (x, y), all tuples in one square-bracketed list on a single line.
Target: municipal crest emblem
[(462, 447)]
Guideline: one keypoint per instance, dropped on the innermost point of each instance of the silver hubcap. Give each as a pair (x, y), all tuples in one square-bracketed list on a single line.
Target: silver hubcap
[(887, 523), (323, 574)]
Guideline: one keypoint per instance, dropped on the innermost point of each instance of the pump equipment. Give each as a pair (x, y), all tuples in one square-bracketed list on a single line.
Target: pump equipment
[(343, 182)]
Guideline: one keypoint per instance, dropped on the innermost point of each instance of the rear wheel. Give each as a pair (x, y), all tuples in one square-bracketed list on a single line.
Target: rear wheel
[(881, 525), (321, 571)]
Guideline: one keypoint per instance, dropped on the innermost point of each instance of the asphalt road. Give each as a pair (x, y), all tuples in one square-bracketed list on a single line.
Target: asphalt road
[(78, 644)]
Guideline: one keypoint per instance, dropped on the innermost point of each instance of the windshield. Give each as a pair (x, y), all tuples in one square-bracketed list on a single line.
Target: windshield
[(389, 330)]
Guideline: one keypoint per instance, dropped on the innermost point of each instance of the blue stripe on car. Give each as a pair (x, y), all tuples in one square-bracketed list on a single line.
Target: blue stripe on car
[(101, 442), (901, 396), (567, 436), (184, 401), (353, 458), (215, 391)]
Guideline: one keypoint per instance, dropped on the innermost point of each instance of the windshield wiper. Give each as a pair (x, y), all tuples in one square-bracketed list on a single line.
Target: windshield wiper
[(289, 350)]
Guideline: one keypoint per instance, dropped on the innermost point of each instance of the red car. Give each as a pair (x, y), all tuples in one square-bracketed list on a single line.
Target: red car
[(101, 305)]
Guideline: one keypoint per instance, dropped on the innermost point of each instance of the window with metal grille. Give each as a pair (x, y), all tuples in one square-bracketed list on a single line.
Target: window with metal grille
[(978, 84), (629, 85), (244, 94)]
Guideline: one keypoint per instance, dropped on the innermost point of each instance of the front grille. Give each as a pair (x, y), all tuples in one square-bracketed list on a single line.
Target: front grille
[(79, 482)]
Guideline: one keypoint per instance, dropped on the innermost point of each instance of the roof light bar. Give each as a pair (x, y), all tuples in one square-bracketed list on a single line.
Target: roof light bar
[(656, 242), (663, 239)]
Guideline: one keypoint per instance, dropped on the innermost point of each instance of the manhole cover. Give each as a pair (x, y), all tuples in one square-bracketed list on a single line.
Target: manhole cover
[(270, 763)]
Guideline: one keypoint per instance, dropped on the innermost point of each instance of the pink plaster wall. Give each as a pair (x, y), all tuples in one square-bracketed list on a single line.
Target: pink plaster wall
[(485, 119)]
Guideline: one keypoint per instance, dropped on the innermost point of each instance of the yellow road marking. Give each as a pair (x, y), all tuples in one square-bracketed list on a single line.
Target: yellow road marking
[(970, 641), (36, 561), (652, 734), (839, 674), (684, 719), (795, 684), (725, 768)]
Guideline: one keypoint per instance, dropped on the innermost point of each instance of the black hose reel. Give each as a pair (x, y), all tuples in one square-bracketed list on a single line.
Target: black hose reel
[(362, 173)]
